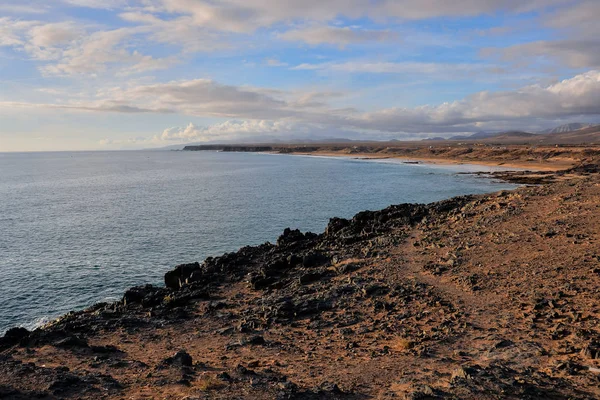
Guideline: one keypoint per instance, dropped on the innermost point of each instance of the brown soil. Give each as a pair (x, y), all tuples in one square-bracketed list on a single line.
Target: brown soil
[(478, 297), (538, 158)]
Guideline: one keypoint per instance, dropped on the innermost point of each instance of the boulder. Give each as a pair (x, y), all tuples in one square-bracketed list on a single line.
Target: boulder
[(176, 278), (181, 359), (289, 237), (147, 295), (14, 336), (314, 260)]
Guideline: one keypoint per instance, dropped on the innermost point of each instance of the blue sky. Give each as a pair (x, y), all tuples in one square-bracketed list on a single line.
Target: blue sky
[(115, 74)]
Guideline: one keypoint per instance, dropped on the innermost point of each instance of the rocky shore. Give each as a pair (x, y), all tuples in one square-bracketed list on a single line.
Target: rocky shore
[(476, 297)]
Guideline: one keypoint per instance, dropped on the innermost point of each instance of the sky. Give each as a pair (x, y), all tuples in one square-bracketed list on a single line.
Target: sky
[(129, 74)]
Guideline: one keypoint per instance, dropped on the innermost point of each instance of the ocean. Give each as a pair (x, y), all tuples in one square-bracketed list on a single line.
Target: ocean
[(77, 228)]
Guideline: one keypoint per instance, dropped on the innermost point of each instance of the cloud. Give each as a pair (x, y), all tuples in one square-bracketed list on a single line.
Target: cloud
[(578, 46), (101, 106), (205, 97), (12, 31), (575, 53), (581, 17), (245, 16), (229, 130), (53, 34), (394, 67), (20, 9), (578, 96), (67, 49), (340, 36), (528, 106), (181, 31), (273, 62), (100, 4)]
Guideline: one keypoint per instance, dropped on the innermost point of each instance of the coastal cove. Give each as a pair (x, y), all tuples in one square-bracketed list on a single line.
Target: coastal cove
[(84, 231)]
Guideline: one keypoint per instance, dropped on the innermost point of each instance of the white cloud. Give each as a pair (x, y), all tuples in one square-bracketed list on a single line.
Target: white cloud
[(245, 16), (229, 130), (581, 17), (12, 31), (273, 62), (54, 34), (576, 53), (340, 36), (578, 96), (578, 46), (92, 54), (394, 67), (180, 31), (67, 49), (19, 9), (100, 4)]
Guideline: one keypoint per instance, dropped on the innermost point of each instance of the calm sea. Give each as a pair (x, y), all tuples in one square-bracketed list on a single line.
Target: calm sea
[(81, 227)]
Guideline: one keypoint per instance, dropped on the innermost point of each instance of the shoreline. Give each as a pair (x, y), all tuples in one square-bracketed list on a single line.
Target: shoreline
[(466, 287), (535, 158), (500, 174), (442, 161), (515, 173)]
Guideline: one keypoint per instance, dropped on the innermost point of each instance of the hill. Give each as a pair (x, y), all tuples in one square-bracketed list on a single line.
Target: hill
[(567, 128)]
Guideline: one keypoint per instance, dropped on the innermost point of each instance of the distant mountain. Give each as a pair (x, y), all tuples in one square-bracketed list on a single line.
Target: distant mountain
[(588, 135), (583, 133), (567, 128), (579, 136)]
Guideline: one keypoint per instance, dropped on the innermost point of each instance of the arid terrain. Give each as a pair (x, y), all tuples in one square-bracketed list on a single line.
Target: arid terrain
[(533, 157), (477, 297)]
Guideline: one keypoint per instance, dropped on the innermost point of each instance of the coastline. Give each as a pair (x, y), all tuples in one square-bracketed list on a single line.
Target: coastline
[(512, 172), (522, 165), (465, 287), (50, 309), (535, 158)]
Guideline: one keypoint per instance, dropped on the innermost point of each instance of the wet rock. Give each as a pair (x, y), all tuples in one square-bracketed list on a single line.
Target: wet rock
[(14, 336)]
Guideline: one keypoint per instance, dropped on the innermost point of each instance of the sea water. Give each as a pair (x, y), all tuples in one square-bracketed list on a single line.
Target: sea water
[(77, 228)]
